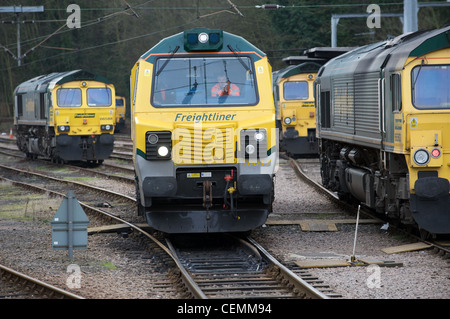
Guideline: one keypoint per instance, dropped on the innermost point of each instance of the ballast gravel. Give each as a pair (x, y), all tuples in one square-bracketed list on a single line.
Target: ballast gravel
[(424, 274), (114, 267)]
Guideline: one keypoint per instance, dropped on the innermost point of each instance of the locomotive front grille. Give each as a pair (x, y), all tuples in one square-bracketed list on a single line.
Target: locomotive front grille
[(204, 144)]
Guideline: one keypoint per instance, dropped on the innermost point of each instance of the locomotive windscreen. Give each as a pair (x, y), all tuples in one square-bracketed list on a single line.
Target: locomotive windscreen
[(431, 86), (204, 81)]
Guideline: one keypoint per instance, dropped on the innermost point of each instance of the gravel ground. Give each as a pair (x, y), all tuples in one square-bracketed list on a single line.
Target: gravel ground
[(112, 267), (116, 268), (424, 274)]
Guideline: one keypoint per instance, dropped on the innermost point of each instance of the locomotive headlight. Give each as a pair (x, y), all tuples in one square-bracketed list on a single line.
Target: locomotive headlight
[(152, 139), (287, 120), (63, 128), (421, 157), (250, 149), (158, 145), (163, 151), (253, 143), (106, 127), (203, 37), (259, 136)]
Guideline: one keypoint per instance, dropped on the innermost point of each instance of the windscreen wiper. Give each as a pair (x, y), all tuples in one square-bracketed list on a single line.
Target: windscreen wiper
[(239, 59), (167, 61), (192, 89), (418, 72)]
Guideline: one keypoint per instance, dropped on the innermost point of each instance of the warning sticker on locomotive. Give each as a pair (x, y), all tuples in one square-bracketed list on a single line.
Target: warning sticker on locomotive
[(414, 123), (197, 175)]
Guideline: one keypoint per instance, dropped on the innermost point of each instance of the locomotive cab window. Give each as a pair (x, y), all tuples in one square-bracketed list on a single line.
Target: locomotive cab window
[(396, 92), (295, 90), (200, 81), (431, 86), (68, 97), (119, 102), (19, 99), (99, 97)]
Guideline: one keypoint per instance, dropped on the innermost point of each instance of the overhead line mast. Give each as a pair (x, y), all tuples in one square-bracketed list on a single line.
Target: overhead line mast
[(17, 10)]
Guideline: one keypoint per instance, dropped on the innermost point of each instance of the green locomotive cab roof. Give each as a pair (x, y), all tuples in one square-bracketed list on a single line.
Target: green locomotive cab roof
[(307, 67), (205, 40), (390, 55), (42, 82)]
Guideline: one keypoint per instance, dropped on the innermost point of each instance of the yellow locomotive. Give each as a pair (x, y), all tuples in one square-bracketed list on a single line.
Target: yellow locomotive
[(203, 130), (293, 92), (294, 100), (121, 108), (68, 116), (384, 127)]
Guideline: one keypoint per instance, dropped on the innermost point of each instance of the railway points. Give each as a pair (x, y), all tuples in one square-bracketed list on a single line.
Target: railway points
[(285, 171), (306, 224)]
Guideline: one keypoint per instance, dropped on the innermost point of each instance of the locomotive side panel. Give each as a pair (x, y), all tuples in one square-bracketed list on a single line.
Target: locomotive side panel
[(383, 141)]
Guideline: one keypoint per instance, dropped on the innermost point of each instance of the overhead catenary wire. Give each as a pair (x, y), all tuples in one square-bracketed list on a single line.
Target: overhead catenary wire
[(84, 25), (98, 20), (103, 45), (87, 23), (143, 6), (156, 8)]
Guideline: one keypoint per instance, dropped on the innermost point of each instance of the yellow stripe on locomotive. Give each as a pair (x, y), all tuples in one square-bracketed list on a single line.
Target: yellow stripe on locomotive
[(203, 129)]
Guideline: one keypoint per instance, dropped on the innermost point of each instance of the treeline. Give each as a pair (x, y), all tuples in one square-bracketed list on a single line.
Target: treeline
[(112, 37)]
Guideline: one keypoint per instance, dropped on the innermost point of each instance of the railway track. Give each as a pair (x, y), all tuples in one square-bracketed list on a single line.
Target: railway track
[(122, 149), (236, 268), (439, 248), (89, 209), (211, 291), (107, 170), (274, 280), (96, 196), (17, 285)]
